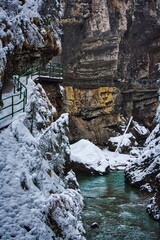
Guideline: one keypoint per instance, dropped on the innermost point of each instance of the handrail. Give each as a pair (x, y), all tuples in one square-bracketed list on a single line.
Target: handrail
[(52, 70), (12, 101)]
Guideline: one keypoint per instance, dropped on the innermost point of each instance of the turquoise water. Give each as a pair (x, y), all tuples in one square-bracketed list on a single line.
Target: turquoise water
[(119, 210)]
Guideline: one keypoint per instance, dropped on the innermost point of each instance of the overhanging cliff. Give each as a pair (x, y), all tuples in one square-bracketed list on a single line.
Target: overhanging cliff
[(29, 31)]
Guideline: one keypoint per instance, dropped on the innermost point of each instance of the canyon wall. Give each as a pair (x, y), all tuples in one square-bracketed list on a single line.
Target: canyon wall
[(111, 53)]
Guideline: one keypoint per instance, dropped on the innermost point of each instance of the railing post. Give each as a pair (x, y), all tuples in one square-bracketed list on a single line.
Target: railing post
[(14, 88), (20, 86), (12, 106), (26, 79), (26, 96), (60, 70), (17, 84), (50, 71), (24, 101), (20, 91), (31, 71), (53, 71)]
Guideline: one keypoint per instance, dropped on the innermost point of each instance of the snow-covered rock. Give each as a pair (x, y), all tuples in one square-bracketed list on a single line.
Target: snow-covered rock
[(154, 207), (116, 160), (124, 143), (28, 26), (86, 157), (39, 111), (147, 166), (140, 132), (35, 201), (145, 171), (70, 180)]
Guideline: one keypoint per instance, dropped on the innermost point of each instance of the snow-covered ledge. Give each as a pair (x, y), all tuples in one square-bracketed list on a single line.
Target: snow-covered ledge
[(36, 201)]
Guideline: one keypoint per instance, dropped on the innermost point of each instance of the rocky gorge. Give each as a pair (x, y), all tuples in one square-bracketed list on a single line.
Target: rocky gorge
[(111, 53), (111, 66), (110, 56)]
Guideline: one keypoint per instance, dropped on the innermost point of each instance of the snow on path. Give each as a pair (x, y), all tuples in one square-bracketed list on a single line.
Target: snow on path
[(6, 121)]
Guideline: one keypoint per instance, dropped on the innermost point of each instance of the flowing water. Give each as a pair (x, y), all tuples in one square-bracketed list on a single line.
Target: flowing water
[(119, 210)]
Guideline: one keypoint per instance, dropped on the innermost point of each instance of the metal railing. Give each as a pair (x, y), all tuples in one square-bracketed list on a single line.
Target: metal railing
[(18, 100), (52, 71)]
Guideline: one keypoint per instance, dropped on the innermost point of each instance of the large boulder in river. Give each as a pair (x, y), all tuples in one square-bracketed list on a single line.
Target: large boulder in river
[(88, 158)]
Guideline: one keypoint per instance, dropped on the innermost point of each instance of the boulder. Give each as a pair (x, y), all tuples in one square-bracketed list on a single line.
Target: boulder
[(87, 158)]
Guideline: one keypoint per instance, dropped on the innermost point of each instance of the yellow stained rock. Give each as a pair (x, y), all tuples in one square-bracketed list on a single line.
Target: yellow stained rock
[(102, 99)]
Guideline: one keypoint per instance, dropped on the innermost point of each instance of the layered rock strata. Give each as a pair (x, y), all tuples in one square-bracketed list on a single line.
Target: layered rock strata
[(113, 44)]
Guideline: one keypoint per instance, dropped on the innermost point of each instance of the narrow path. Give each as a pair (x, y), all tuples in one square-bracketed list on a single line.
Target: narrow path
[(15, 101)]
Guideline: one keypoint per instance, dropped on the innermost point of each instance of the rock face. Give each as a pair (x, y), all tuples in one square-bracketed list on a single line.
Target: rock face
[(54, 94), (113, 44), (27, 33), (93, 112), (154, 207)]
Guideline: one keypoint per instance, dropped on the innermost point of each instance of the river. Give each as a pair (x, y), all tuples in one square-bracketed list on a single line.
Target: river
[(118, 208)]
